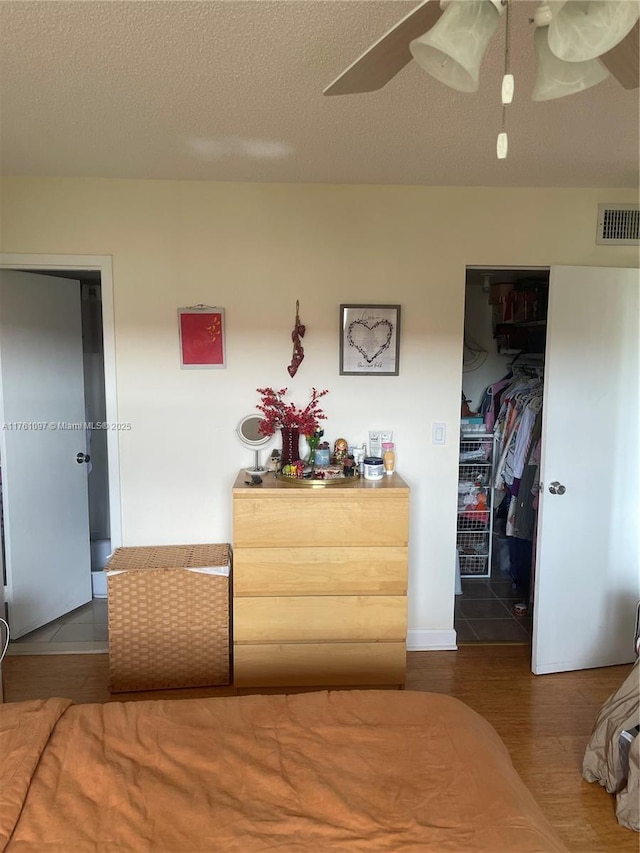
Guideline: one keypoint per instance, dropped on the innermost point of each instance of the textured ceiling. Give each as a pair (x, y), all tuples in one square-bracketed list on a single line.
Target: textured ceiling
[(232, 90)]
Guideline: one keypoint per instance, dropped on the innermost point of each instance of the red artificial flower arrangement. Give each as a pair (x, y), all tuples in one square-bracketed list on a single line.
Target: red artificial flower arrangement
[(279, 415)]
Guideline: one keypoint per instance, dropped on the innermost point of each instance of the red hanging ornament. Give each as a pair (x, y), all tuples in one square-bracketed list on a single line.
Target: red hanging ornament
[(296, 336)]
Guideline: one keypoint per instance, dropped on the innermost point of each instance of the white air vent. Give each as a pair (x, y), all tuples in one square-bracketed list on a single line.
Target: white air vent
[(618, 225)]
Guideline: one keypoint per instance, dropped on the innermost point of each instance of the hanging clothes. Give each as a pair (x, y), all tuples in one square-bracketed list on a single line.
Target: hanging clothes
[(491, 399), (518, 429)]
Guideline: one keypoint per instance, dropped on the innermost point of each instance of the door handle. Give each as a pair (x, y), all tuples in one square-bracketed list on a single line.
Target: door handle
[(557, 488), (82, 457)]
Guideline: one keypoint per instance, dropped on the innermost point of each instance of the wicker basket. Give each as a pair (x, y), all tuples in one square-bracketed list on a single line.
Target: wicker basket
[(169, 622)]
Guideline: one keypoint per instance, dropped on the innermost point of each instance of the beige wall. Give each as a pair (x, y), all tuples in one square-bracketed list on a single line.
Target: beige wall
[(254, 249)]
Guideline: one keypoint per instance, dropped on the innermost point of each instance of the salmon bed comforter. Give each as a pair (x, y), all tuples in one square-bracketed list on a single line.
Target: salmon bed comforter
[(327, 771)]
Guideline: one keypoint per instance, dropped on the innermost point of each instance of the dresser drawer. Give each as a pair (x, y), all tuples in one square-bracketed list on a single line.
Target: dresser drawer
[(344, 517), (319, 664), (309, 571), (326, 617)]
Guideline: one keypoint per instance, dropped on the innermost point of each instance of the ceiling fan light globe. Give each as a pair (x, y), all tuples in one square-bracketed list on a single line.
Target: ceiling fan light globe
[(542, 16), (453, 49), (556, 78), (585, 29)]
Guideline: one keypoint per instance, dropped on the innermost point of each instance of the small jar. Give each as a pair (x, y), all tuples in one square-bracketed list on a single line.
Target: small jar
[(373, 468), (388, 457)]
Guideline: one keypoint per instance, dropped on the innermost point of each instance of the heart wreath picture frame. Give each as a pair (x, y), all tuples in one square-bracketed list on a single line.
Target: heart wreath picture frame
[(369, 340)]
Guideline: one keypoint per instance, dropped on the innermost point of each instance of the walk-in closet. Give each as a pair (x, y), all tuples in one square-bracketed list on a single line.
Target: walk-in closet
[(500, 446)]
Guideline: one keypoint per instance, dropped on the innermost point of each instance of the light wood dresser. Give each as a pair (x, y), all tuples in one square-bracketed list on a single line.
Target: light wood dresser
[(320, 582)]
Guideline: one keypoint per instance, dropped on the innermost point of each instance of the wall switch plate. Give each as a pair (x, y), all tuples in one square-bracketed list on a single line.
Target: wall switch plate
[(438, 433)]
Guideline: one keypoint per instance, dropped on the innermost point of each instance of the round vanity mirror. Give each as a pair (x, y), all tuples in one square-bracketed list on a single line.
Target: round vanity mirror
[(249, 434)]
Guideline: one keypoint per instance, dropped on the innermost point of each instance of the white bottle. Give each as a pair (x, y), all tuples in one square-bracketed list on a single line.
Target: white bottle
[(375, 448)]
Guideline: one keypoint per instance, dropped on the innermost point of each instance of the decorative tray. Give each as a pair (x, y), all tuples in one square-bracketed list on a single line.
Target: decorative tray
[(316, 483)]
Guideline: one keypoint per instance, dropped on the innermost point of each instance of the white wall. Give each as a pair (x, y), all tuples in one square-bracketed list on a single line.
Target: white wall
[(479, 329), (254, 249)]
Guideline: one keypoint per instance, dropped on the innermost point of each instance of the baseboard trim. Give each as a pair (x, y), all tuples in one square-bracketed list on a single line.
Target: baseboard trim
[(424, 640)]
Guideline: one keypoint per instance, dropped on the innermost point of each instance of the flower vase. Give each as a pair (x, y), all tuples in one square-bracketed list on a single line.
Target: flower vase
[(313, 441), (290, 446)]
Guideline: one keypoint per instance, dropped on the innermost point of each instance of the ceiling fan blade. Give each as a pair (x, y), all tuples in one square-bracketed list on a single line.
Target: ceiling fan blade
[(388, 55), (623, 60)]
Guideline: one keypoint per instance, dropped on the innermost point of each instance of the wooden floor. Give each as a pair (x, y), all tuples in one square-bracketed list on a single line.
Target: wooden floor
[(545, 721)]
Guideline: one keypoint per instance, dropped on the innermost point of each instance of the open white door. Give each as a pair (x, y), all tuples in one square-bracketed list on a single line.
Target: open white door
[(44, 488), (587, 582)]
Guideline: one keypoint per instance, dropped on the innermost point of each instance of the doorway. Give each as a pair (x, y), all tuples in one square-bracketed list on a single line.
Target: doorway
[(585, 555), (498, 472), (102, 483)]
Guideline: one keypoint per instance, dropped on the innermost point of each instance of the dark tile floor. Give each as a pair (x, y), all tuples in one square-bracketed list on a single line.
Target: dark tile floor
[(484, 612)]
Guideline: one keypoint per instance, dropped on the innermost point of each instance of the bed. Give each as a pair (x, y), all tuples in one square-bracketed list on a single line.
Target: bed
[(342, 770)]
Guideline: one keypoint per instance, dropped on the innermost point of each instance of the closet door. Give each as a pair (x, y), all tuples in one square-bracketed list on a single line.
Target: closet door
[(588, 569)]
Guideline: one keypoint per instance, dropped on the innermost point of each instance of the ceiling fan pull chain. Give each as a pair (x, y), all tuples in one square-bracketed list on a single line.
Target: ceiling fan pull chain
[(502, 145)]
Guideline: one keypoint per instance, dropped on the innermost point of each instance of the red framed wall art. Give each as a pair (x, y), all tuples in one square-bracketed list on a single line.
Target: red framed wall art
[(201, 329)]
